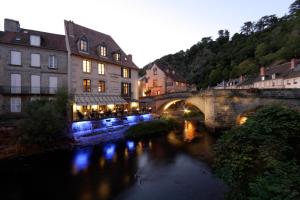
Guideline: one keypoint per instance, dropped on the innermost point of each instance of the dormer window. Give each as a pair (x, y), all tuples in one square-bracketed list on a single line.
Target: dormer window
[(154, 71), (35, 40), (103, 51), (117, 56), (273, 76), (83, 45)]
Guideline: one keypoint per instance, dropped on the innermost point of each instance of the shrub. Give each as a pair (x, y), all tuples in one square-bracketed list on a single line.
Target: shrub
[(45, 121), (151, 128), (256, 159)]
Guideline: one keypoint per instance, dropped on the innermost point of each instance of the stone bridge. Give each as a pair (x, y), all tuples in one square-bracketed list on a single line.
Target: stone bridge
[(223, 108)]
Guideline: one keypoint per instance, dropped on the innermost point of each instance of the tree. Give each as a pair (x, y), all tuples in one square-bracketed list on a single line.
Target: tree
[(248, 28), (260, 159), (295, 7)]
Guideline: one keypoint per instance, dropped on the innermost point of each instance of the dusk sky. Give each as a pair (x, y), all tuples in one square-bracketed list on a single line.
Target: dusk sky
[(147, 29)]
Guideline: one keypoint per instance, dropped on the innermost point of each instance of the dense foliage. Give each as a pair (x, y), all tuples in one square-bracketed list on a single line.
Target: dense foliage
[(270, 39), (45, 121), (261, 159), (151, 128)]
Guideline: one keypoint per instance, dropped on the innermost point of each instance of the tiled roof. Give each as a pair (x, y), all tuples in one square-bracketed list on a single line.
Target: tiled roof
[(75, 32), (282, 71), (48, 40), (168, 70)]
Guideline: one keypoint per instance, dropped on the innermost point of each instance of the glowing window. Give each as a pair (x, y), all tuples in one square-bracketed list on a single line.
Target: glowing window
[(86, 66)]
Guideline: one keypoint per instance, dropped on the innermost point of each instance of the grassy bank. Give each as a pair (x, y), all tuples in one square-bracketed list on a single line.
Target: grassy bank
[(152, 128)]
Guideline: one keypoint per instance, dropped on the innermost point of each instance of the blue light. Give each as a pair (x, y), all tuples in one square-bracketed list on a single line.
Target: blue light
[(132, 118), (81, 161), (109, 151), (81, 126), (130, 145), (147, 117)]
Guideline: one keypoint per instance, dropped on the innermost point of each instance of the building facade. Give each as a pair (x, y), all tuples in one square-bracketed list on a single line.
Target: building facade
[(101, 76), (161, 78), (33, 65)]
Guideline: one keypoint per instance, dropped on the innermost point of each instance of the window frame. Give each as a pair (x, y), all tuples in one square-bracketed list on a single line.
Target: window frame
[(87, 87), (11, 58), (31, 63), (101, 86), (103, 51), (38, 44), (83, 45), (54, 62), (15, 104), (86, 68), (101, 68)]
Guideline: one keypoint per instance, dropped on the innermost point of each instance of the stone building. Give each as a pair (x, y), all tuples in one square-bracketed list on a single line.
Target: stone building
[(33, 65), (286, 75), (101, 76), (161, 78)]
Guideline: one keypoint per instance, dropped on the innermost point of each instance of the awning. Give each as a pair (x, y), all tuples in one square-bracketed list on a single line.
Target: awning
[(98, 99)]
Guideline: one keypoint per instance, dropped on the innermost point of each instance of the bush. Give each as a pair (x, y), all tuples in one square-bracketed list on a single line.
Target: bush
[(45, 121), (151, 128), (260, 160)]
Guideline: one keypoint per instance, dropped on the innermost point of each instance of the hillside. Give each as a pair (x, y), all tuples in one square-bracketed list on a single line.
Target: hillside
[(271, 39)]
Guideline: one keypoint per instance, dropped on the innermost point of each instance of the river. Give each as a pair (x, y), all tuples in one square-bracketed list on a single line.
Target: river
[(173, 166)]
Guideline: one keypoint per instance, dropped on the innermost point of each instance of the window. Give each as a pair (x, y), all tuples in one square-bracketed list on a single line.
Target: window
[(35, 40), (83, 45), (158, 92), (101, 86), (169, 83), (15, 104), (155, 83), (155, 71), (52, 85), (101, 69), (117, 56), (273, 76), (15, 83), (86, 85), (52, 62), (15, 58), (177, 83), (182, 84), (103, 51), (295, 81), (35, 60), (126, 89), (35, 84), (125, 72), (86, 66)]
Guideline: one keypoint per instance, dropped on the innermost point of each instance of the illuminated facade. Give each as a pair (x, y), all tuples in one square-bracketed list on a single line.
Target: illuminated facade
[(161, 78), (101, 76)]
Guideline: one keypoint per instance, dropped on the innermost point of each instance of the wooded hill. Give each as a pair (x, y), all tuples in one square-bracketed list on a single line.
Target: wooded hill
[(268, 41)]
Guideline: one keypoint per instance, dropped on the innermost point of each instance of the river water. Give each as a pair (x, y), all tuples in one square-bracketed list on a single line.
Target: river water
[(173, 166)]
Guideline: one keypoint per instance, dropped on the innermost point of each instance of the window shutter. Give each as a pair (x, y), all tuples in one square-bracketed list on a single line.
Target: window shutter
[(122, 89), (129, 94), (129, 72), (122, 75)]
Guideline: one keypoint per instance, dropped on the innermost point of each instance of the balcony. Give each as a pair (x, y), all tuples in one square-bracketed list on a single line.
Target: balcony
[(27, 90)]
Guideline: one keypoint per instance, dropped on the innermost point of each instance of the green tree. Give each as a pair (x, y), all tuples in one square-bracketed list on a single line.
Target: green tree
[(260, 159)]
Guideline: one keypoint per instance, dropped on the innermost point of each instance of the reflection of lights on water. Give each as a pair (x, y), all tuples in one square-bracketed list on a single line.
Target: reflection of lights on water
[(126, 153), (173, 139), (81, 161), (150, 144), (102, 162), (243, 120), (109, 151), (130, 145), (189, 131), (104, 190)]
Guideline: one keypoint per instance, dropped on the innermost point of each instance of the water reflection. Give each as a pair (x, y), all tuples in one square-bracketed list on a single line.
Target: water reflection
[(81, 160), (189, 131), (166, 167)]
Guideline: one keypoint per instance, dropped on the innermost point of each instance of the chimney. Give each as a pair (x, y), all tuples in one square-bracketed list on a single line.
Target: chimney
[(262, 71), (129, 57), (11, 25), (242, 78), (69, 28), (293, 63)]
